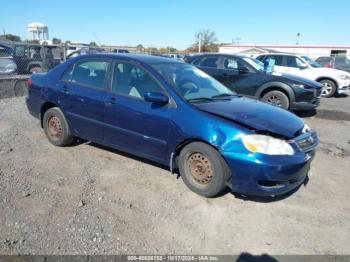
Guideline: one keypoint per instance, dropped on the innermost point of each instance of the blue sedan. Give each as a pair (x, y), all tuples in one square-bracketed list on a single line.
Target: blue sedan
[(176, 115)]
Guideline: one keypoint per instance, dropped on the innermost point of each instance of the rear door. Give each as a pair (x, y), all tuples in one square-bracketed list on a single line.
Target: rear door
[(132, 124), (82, 93)]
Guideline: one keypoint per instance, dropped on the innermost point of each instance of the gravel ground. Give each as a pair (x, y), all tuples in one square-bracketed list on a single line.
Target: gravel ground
[(87, 199)]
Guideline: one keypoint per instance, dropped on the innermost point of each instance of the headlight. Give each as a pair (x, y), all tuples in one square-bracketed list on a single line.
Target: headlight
[(267, 145), (297, 85), (344, 77)]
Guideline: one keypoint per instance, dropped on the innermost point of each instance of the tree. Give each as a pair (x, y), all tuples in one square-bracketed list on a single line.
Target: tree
[(11, 37), (56, 41), (93, 45), (207, 40)]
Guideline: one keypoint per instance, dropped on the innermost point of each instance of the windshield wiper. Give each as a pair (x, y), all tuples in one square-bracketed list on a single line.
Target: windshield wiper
[(224, 95), (201, 99)]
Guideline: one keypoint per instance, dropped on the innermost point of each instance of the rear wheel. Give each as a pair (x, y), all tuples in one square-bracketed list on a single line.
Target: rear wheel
[(328, 88), (276, 98), (56, 127), (203, 170)]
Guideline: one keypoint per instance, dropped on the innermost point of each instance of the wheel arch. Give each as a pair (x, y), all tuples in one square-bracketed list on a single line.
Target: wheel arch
[(46, 106), (278, 86), (176, 152), (329, 79)]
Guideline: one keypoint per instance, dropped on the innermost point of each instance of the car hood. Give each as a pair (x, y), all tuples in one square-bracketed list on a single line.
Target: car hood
[(325, 71), (257, 115)]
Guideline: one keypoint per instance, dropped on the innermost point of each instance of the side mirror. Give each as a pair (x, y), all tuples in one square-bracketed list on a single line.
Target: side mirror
[(243, 70), (156, 97), (303, 66)]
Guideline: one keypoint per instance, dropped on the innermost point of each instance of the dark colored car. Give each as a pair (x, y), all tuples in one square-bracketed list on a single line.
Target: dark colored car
[(7, 63), (246, 76), (121, 51), (340, 62), (174, 114), (36, 58)]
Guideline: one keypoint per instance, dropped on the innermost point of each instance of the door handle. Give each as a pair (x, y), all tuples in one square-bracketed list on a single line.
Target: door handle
[(112, 101), (65, 90)]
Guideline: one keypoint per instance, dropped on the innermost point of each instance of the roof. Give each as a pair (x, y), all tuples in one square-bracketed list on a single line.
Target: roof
[(289, 46), (148, 59)]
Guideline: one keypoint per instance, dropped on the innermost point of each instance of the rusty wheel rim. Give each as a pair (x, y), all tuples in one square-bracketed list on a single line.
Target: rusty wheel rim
[(54, 128), (200, 168)]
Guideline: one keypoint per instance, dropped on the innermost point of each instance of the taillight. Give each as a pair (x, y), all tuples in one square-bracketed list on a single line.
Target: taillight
[(29, 83), (328, 65)]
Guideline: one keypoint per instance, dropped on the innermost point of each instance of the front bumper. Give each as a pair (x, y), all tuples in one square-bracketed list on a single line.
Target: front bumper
[(268, 175), (343, 89), (305, 105)]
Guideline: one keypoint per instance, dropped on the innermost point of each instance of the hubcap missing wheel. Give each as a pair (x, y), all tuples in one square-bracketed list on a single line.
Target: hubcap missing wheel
[(200, 168)]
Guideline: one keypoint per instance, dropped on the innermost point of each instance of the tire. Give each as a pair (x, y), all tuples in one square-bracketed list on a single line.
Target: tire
[(203, 170), (35, 69), (21, 88), (56, 127), (276, 98), (329, 88)]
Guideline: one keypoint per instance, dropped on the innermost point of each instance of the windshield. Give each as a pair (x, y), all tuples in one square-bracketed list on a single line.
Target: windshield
[(258, 65), (312, 62), (191, 83)]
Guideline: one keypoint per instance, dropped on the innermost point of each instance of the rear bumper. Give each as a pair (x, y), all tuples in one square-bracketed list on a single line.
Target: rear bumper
[(33, 107)]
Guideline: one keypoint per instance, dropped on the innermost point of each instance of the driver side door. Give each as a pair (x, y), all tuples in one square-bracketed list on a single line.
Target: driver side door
[(133, 124)]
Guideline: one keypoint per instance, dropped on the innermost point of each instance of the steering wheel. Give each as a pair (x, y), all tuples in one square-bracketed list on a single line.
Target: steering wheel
[(187, 87)]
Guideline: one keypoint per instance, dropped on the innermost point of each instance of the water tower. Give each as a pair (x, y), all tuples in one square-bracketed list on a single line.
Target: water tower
[(37, 31)]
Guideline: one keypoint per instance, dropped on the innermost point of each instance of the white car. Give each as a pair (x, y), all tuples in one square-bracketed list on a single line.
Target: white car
[(333, 80)]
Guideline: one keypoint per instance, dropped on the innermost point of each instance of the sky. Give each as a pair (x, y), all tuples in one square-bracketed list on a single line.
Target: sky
[(161, 23)]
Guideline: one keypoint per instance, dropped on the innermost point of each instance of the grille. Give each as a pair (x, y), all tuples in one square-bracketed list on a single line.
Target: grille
[(307, 141)]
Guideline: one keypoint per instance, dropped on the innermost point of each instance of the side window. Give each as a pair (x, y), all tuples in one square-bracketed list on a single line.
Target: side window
[(231, 63), (209, 61), (90, 73), (67, 75), (132, 80), (277, 58), (291, 61), (20, 51)]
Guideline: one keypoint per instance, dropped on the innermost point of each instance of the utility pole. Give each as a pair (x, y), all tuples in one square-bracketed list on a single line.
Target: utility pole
[(199, 42), (298, 39)]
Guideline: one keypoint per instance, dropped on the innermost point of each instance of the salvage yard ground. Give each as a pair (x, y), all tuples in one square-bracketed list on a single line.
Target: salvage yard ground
[(86, 199)]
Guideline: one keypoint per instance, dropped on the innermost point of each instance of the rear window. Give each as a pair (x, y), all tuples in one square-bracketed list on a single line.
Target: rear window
[(209, 61), (90, 73)]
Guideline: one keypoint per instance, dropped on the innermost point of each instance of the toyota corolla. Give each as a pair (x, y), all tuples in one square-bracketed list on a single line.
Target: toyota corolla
[(174, 114)]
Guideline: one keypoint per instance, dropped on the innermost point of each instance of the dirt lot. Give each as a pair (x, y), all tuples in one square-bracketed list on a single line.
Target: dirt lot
[(86, 199)]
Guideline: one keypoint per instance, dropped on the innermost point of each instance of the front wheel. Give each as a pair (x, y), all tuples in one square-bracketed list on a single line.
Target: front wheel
[(328, 88), (203, 170), (276, 98), (56, 127)]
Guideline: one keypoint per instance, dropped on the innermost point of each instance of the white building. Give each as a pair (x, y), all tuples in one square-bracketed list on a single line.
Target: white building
[(37, 31), (314, 51)]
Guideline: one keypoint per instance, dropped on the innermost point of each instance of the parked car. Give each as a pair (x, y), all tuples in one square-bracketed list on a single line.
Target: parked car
[(36, 58), (333, 80), (7, 63), (175, 56), (340, 62), (123, 51), (247, 76), (174, 114)]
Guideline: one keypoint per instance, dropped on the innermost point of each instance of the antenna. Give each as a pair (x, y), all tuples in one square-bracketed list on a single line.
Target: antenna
[(97, 39)]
